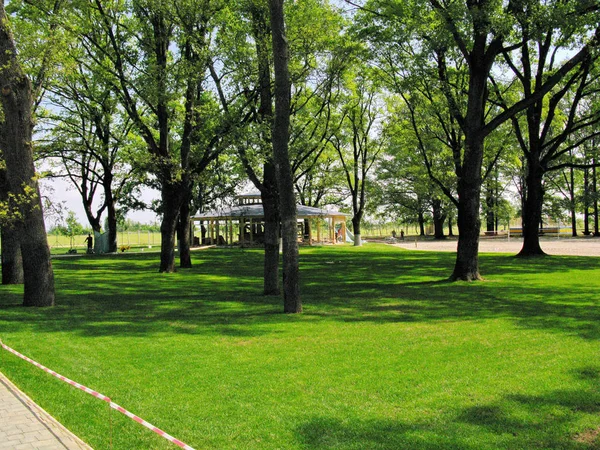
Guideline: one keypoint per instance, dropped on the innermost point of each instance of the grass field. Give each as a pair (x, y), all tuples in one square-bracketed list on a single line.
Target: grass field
[(387, 354)]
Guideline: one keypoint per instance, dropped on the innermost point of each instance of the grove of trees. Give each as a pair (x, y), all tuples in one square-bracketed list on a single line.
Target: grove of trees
[(442, 111)]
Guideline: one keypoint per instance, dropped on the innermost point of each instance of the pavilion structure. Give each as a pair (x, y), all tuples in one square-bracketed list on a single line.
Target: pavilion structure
[(244, 224)]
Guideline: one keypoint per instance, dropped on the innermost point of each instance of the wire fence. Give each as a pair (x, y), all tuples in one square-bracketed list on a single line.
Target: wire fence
[(124, 238)]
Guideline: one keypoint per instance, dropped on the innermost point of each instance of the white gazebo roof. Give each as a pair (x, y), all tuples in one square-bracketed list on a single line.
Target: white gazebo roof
[(256, 211)]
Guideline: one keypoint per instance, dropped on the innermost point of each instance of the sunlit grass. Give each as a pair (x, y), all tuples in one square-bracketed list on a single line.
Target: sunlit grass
[(386, 355)]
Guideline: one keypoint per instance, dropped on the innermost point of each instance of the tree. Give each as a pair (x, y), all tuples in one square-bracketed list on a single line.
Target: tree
[(89, 142), (474, 33), (544, 130), (285, 181), (358, 141), (39, 40), (17, 129)]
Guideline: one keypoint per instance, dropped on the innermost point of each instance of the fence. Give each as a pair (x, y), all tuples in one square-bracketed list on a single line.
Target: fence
[(129, 238), (102, 397)]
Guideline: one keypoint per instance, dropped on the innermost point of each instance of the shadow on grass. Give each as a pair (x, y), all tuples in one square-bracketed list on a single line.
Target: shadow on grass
[(328, 433), (514, 421), (222, 293)]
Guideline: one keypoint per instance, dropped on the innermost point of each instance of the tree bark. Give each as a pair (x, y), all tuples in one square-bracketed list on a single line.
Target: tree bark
[(595, 188), (12, 262), (572, 203), (17, 131), (421, 220), (356, 228), (285, 180), (466, 267), (111, 222), (533, 199), (185, 254), (586, 203), (438, 219), (171, 201), (270, 200), (490, 219)]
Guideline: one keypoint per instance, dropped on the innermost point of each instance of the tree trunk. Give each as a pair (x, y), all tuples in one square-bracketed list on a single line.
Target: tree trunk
[(421, 220), (490, 220), (572, 203), (466, 267), (356, 228), (595, 188), (185, 255), (171, 202), (285, 181), (111, 222), (12, 261), (270, 200), (438, 219), (17, 130), (450, 232), (533, 199), (586, 203)]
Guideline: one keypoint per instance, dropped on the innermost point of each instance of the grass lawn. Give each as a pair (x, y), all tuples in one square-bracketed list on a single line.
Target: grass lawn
[(387, 354)]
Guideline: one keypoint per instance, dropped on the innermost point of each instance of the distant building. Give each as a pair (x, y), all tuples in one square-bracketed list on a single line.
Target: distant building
[(244, 224)]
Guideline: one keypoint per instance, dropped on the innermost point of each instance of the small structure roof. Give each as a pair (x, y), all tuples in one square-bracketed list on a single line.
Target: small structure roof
[(256, 211)]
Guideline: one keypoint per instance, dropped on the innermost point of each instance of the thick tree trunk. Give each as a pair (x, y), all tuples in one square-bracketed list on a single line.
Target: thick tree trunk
[(285, 182), (438, 219), (171, 202), (12, 262), (270, 200), (532, 208), (17, 129), (450, 232), (111, 222), (185, 255), (356, 228), (421, 220), (466, 267)]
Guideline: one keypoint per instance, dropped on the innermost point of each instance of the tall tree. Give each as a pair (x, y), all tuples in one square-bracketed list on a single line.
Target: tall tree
[(358, 141), (544, 131), (285, 180), (17, 130), (477, 32)]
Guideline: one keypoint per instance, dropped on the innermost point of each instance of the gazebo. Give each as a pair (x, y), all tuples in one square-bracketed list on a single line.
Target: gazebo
[(244, 223)]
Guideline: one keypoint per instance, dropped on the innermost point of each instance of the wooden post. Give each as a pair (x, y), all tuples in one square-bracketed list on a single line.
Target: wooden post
[(310, 227), (319, 230), (332, 230)]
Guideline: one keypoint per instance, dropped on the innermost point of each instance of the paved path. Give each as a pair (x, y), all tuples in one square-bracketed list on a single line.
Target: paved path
[(26, 426)]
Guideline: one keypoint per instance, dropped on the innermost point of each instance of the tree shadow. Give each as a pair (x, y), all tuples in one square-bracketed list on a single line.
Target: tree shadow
[(222, 293)]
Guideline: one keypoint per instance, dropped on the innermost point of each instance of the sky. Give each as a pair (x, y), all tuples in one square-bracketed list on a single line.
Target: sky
[(61, 191)]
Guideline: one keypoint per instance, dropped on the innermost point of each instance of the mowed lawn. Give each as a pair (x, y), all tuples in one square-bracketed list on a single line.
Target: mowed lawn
[(387, 355)]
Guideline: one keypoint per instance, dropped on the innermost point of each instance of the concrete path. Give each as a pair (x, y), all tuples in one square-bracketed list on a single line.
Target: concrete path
[(26, 426)]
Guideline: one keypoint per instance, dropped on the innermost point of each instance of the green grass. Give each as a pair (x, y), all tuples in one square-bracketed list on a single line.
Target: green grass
[(387, 354)]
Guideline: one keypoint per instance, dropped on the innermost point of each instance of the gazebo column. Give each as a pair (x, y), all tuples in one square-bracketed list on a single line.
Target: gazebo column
[(332, 230), (241, 231), (310, 228), (319, 230), (343, 231), (251, 230)]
